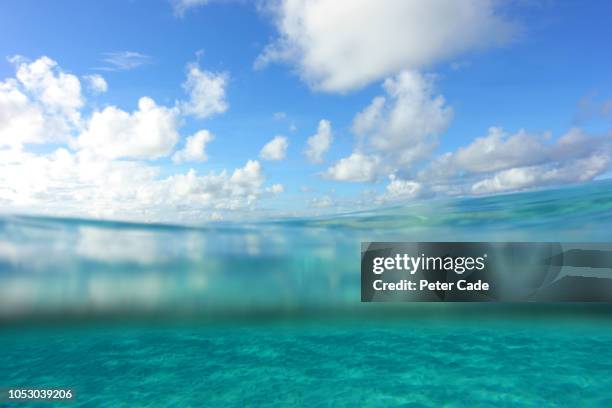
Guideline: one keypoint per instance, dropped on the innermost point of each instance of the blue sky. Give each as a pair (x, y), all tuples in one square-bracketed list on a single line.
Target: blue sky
[(475, 97)]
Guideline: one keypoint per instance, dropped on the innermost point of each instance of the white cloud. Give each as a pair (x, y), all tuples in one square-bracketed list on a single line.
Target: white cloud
[(103, 171), (276, 189), (124, 60), (21, 121), (206, 92), (502, 162), (357, 168), (65, 183), (574, 171), (149, 132), (398, 129), (404, 124), (275, 149), (499, 150), (195, 148), (57, 90), (498, 162), (399, 189), (41, 104), (338, 46), (193, 194), (78, 184), (220, 191), (319, 144), (97, 83)]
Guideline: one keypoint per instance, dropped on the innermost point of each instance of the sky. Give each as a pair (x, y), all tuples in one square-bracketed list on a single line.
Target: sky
[(194, 110)]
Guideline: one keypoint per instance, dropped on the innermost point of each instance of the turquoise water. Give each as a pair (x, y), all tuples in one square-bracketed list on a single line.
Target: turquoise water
[(331, 364), (268, 313)]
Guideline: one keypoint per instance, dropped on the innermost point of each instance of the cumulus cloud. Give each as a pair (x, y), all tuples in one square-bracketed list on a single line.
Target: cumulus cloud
[(399, 189), (499, 150), (41, 104), (501, 161), (319, 143), (104, 168), (406, 121), (357, 168), (221, 191), (124, 60), (275, 149), (339, 46), (399, 128), (78, 184), (57, 90), (498, 162), (96, 83), (206, 92), (574, 171), (149, 132), (21, 121), (195, 148), (68, 183)]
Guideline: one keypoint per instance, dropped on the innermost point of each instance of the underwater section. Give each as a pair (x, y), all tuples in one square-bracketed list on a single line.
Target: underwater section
[(63, 268)]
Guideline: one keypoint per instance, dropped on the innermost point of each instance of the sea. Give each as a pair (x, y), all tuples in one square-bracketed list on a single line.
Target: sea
[(268, 313)]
